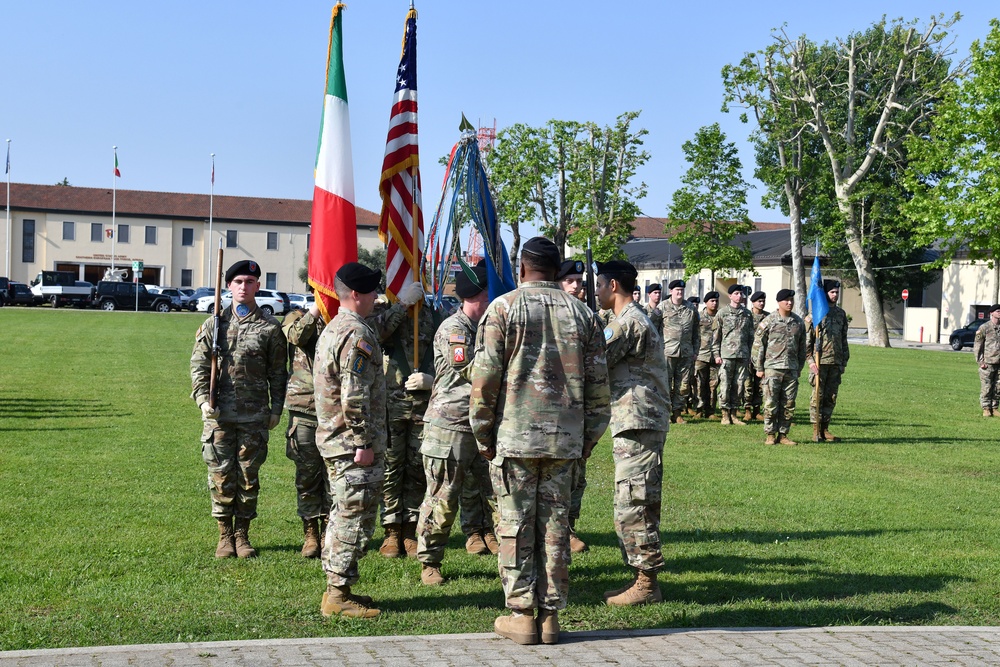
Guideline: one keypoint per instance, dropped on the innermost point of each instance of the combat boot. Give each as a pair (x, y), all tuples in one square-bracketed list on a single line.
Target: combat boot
[(817, 432), (518, 627), (770, 439), (490, 539), (826, 435), (227, 547), (548, 625), (734, 418), (390, 543), (677, 419), (476, 546), (747, 417), (338, 601), (987, 412), (576, 545), (645, 590), (410, 539), (363, 599), (241, 535), (755, 413), (727, 419), (430, 575), (785, 440), (621, 589), (310, 545)]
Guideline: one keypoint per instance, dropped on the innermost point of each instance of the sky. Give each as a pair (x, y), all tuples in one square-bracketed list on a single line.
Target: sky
[(171, 83)]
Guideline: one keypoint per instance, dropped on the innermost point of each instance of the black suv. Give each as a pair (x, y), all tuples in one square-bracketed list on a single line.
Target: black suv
[(966, 336), (122, 296)]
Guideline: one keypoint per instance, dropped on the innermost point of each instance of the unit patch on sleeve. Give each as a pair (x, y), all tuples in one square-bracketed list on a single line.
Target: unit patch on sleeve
[(458, 353), (359, 364)]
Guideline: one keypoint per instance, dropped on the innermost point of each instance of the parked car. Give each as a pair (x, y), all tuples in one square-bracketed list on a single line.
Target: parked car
[(269, 302), (4, 290), (124, 296), (191, 300), (301, 301), (966, 336), (206, 303), (19, 294), (91, 287), (172, 293)]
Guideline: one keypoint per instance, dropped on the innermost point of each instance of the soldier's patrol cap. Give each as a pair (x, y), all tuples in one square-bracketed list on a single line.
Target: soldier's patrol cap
[(466, 287), (757, 296), (735, 288), (830, 284), (653, 287), (244, 267), (995, 307), (712, 295), (359, 277), (570, 267), (617, 268), (545, 250), (785, 294), (674, 284)]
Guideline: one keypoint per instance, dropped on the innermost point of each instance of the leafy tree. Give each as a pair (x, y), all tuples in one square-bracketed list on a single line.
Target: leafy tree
[(373, 259), (64, 181), (710, 210)]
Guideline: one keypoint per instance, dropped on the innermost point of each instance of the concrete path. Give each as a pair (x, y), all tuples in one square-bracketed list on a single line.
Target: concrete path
[(742, 647)]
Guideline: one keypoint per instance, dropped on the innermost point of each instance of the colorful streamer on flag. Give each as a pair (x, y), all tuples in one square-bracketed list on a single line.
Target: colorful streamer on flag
[(819, 305)]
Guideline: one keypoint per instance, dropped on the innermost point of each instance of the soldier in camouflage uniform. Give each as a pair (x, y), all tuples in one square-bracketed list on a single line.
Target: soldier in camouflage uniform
[(539, 401), (706, 370), (681, 334), (732, 337), (640, 405), (826, 343), (780, 352), (351, 435), (250, 385), (449, 448), (753, 397), (987, 351), (653, 294)]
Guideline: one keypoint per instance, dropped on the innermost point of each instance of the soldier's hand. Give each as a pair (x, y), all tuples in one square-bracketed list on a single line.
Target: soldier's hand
[(419, 381), (760, 374), (272, 421), (208, 412), (718, 361), (488, 453), (364, 457), (812, 367), (411, 294)]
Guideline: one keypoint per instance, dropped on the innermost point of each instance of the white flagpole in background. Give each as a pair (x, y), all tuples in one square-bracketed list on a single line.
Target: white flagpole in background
[(211, 203), (114, 197), (7, 273)]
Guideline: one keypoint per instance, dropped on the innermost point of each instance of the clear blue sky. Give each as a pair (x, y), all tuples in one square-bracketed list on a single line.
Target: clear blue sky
[(170, 83)]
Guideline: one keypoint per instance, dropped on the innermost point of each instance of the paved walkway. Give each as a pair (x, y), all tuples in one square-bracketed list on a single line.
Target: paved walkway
[(742, 647)]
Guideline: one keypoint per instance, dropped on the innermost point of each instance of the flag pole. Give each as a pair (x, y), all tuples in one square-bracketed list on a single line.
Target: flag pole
[(817, 344), (8, 208), (211, 204), (114, 197)]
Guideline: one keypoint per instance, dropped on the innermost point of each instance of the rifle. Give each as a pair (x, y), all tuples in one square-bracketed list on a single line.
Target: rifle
[(213, 385), (591, 285)]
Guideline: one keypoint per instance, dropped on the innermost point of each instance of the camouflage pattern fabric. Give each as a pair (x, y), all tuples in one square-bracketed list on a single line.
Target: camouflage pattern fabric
[(681, 330), (988, 393), (753, 396), (831, 339), (533, 529), (986, 349), (732, 380), (706, 323), (578, 484), (356, 492), (732, 337), (655, 316), (478, 503), (312, 486), (454, 348), (829, 383), (780, 388), (405, 482), (706, 378), (638, 457), (302, 332), (679, 376), (780, 343), (234, 454)]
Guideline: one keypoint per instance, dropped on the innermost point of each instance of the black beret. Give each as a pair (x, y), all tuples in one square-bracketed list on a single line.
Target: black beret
[(653, 287), (674, 284), (466, 287), (784, 294), (569, 268), (712, 295), (545, 250), (757, 296), (617, 267), (830, 284), (995, 307), (359, 277), (245, 267), (735, 288), (693, 299)]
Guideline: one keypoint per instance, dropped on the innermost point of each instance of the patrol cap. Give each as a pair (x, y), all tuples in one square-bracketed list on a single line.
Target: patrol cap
[(466, 287), (735, 288), (712, 295), (995, 307), (544, 250), (830, 284), (653, 287), (569, 268), (359, 277), (785, 294), (674, 284), (244, 267), (757, 296)]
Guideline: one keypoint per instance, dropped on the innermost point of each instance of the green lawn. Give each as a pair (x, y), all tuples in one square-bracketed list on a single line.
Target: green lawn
[(106, 538)]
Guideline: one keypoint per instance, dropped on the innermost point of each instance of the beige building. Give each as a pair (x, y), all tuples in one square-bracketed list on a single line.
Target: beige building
[(67, 228)]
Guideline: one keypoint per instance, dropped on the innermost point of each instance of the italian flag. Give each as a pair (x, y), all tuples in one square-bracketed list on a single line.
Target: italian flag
[(334, 234)]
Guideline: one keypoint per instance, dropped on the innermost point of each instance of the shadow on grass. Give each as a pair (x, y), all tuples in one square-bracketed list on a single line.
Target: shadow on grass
[(752, 536), (40, 408)]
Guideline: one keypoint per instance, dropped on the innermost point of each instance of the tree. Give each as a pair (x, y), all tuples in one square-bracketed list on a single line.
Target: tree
[(64, 181), (710, 210), (373, 259), (955, 175)]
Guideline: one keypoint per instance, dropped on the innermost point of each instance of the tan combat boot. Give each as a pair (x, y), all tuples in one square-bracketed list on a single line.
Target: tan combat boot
[(677, 417), (727, 419), (987, 412), (241, 535), (410, 539), (310, 545), (785, 440), (518, 627), (734, 418), (576, 545), (226, 547), (490, 539), (548, 625), (817, 432), (476, 546), (747, 415), (645, 590), (390, 543), (430, 575), (770, 439), (826, 435), (755, 413), (338, 601), (621, 589)]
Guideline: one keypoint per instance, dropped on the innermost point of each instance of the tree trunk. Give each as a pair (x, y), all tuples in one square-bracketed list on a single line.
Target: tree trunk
[(798, 270), (878, 333), (996, 280)]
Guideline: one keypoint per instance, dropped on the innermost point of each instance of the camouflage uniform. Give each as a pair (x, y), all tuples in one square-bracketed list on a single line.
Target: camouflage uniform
[(833, 356), (655, 316), (780, 345), (449, 448), (251, 387), (640, 419), (706, 371), (732, 337), (350, 409), (681, 335), (752, 395), (539, 401), (987, 351)]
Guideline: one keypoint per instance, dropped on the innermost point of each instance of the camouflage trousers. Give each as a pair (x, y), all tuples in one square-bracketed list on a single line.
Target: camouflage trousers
[(478, 504), (312, 486), (445, 482), (679, 370), (638, 456), (356, 492), (234, 453), (780, 388), (404, 473), (732, 378), (988, 378), (533, 527), (578, 485), (753, 396), (829, 383), (706, 379)]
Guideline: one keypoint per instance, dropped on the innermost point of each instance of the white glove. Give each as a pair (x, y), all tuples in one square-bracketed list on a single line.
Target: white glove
[(411, 294), (272, 421), (419, 382), (209, 412)]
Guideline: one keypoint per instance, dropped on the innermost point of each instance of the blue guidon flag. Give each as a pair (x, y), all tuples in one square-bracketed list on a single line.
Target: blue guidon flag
[(819, 305)]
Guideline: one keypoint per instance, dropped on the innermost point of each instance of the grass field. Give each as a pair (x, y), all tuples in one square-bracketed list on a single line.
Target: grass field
[(106, 538)]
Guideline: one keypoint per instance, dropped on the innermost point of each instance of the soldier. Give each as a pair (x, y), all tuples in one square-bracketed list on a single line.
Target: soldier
[(780, 345), (732, 336), (640, 401), (826, 343), (351, 435), (637, 297), (752, 395), (250, 385), (653, 294), (987, 351), (570, 278), (539, 401), (681, 335), (706, 370), (449, 449)]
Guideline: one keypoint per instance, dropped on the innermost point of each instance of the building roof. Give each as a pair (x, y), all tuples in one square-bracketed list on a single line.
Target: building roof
[(174, 205), (768, 247), (652, 228)]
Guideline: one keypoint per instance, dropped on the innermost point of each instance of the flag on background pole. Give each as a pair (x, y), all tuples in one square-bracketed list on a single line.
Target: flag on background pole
[(401, 218), (334, 234), (7, 171), (118, 173), (819, 305)]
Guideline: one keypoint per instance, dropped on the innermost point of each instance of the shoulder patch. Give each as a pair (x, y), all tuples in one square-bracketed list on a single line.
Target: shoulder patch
[(763, 325), (608, 333), (359, 364), (458, 354), (456, 338), (364, 347)]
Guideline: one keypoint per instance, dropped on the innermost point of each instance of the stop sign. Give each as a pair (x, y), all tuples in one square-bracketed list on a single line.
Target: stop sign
[(906, 294)]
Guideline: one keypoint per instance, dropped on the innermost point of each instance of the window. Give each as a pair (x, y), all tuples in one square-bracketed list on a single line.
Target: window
[(756, 284), (96, 232), (230, 238), (272, 240), (28, 241), (69, 231), (123, 234), (150, 235), (185, 277), (308, 238), (271, 281), (187, 236)]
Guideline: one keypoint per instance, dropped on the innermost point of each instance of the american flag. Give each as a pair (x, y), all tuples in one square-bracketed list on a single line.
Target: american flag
[(400, 182)]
